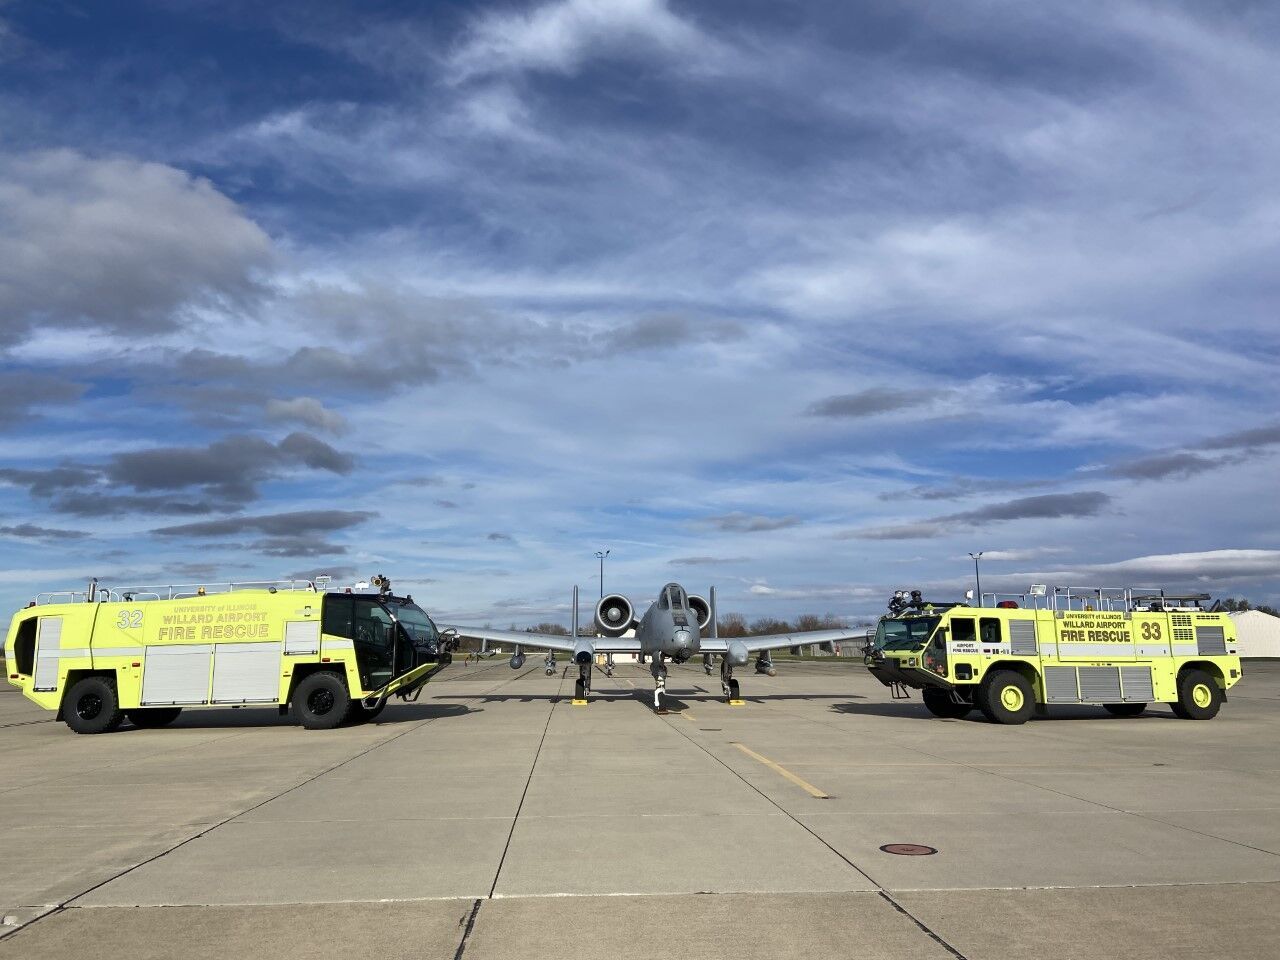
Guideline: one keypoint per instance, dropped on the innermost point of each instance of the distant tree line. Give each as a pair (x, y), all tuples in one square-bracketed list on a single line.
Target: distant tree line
[(1232, 605), (731, 625), (735, 624)]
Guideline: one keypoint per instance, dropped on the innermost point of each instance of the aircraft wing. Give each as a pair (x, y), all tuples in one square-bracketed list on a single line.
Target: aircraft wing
[(779, 641), (545, 641)]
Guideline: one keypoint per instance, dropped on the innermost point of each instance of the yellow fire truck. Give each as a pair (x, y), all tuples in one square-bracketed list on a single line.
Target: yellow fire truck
[(1119, 648), (102, 656)]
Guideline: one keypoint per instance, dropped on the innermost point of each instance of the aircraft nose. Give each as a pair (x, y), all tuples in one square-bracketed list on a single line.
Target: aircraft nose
[(683, 639)]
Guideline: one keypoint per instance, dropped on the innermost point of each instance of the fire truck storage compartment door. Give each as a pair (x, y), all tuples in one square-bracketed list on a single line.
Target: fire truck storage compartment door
[(1100, 684), (1137, 684), (302, 637), (1211, 642), (1022, 638), (176, 673), (246, 672), (1060, 685), (48, 649)]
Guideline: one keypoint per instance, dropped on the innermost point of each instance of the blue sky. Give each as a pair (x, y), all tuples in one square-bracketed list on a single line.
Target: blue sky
[(805, 300)]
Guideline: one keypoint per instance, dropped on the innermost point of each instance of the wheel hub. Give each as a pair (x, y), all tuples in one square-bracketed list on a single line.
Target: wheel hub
[(1201, 695), (320, 702), (1011, 698), (89, 707)]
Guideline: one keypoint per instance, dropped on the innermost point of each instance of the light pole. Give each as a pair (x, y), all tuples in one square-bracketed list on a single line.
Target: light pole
[(977, 580), (600, 555)]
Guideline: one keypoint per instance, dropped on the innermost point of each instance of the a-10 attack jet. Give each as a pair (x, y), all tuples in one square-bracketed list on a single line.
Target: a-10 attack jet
[(676, 627)]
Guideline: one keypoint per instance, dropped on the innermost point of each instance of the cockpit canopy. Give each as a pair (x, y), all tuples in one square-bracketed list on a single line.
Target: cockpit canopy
[(673, 598)]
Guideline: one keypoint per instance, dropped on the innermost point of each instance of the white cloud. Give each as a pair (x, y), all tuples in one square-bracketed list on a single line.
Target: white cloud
[(116, 243), (559, 36), (306, 410)]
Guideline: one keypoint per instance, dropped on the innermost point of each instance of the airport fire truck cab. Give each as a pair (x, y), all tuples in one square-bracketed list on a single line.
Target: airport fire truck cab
[(101, 656), (1120, 648)]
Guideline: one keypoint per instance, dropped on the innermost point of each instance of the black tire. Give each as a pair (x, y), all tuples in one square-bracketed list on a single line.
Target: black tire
[(152, 717), (1006, 697), (92, 706), (939, 703), (321, 701), (1199, 697), (362, 714), (1124, 709)]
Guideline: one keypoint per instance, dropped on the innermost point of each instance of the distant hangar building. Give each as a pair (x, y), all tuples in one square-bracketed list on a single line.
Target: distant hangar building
[(1258, 633)]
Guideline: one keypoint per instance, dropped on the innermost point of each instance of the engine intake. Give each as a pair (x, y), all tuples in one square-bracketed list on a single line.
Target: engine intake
[(614, 615), (702, 610)]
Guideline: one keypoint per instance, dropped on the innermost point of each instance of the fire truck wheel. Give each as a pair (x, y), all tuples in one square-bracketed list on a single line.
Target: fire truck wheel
[(1198, 696), (153, 716), (1124, 709), (91, 706), (1006, 697), (939, 703), (321, 701)]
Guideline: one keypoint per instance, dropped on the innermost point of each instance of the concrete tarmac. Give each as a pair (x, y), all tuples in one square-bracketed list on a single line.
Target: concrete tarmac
[(494, 819)]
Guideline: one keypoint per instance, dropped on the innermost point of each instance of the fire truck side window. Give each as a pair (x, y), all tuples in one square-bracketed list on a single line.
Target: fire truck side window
[(374, 642), (990, 630), (24, 646), (962, 630), (336, 618)]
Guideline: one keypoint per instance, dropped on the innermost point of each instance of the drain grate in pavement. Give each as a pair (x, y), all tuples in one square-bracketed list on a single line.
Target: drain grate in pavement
[(909, 849)]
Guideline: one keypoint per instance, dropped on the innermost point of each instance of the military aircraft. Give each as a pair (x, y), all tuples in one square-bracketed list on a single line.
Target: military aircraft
[(677, 626)]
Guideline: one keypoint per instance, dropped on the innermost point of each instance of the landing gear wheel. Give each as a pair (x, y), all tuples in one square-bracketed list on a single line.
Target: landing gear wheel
[(730, 688), (92, 706), (1124, 709), (1006, 697), (362, 714), (1198, 696), (321, 701), (579, 689), (939, 703), (152, 717)]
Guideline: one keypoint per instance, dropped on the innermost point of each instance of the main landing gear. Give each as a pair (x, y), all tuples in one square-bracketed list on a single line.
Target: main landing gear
[(706, 663), (659, 671), (728, 685)]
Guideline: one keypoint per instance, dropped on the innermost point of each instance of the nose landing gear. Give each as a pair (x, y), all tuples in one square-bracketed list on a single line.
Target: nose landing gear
[(582, 686), (659, 671)]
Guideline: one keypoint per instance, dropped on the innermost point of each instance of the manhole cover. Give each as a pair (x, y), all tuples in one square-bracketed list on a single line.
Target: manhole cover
[(909, 849)]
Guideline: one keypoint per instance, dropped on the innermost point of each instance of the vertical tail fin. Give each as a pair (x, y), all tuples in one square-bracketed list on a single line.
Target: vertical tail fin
[(574, 618), (715, 619)]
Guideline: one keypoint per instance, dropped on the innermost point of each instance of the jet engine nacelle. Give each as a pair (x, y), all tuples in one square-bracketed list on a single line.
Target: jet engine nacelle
[(702, 610), (614, 615)]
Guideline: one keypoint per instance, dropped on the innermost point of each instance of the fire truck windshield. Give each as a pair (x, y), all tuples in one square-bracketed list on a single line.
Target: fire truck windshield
[(415, 622), (908, 633)]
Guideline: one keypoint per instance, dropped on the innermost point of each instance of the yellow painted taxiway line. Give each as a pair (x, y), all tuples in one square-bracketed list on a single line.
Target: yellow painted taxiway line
[(688, 716), (804, 785)]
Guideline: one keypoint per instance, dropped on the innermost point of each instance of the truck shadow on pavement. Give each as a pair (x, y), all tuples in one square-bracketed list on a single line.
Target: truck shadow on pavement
[(240, 719), (916, 710)]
